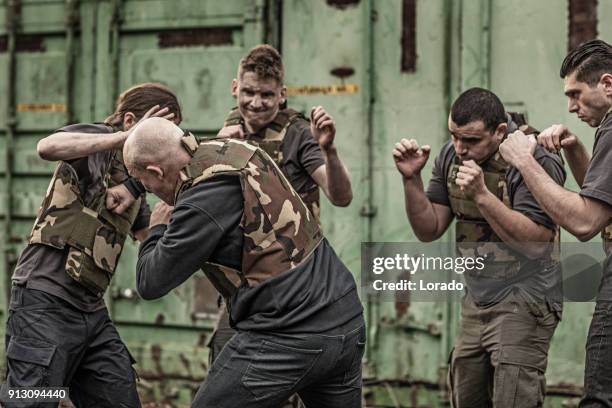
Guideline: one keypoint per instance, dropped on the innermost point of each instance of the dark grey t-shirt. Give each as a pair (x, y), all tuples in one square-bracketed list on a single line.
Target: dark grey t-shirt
[(598, 185), (316, 296), (42, 267), (301, 156), (598, 179), (535, 279)]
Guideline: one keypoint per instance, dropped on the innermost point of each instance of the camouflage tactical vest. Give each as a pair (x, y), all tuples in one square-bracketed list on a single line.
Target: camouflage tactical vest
[(473, 230), (606, 236), (279, 231), (95, 236), (270, 140), (474, 235)]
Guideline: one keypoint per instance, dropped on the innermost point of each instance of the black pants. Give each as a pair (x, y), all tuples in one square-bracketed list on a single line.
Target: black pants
[(222, 334), (264, 369), (51, 344), (598, 369)]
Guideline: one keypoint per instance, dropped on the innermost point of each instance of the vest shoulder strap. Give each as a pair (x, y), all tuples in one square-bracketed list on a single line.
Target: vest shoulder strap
[(521, 121), (233, 117), (285, 118), (218, 156)]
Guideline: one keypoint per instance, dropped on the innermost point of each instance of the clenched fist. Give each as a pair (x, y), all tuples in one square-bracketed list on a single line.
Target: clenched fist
[(470, 178), (119, 199), (517, 147)]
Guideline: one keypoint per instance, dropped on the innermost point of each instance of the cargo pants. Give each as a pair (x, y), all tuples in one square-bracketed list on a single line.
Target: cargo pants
[(51, 344), (501, 353)]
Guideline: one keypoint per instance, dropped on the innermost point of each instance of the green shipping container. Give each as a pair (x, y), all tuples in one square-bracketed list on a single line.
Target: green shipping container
[(385, 69)]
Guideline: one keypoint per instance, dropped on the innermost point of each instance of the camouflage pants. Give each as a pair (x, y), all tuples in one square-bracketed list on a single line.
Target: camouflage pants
[(222, 334), (51, 344), (500, 354)]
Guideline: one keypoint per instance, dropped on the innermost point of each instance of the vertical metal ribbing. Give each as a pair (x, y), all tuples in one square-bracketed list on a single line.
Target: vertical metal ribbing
[(115, 32), (12, 24), (72, 22), (371, 308)]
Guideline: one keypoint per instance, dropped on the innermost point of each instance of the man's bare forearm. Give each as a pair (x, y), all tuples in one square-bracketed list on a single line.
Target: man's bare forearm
[(338, 181), (419, 209), (72, 145), (512, 227), (578, 160), (566, 208)]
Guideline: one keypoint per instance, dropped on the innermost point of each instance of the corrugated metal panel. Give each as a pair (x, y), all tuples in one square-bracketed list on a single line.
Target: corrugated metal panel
[(345, 55), (194, 48)]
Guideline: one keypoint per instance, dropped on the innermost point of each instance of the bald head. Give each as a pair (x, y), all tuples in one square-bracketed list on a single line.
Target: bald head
[(153, 141), (154, 155)]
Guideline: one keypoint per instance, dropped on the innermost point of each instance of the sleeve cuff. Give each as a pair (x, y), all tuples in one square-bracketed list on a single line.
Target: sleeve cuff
[(539, 219), (158, 229), (141, 222), (602, 196), (155, 233), (438, 200), (134, 187)]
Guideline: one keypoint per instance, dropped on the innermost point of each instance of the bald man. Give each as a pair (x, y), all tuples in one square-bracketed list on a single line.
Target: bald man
[(299, 321)]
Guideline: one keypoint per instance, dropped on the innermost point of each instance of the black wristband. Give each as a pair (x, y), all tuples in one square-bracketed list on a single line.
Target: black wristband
[(134, 187)]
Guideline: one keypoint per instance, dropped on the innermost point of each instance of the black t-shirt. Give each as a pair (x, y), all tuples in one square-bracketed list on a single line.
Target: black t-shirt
[(535, 279), (42, 267), (598, 185), (316, 296)]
